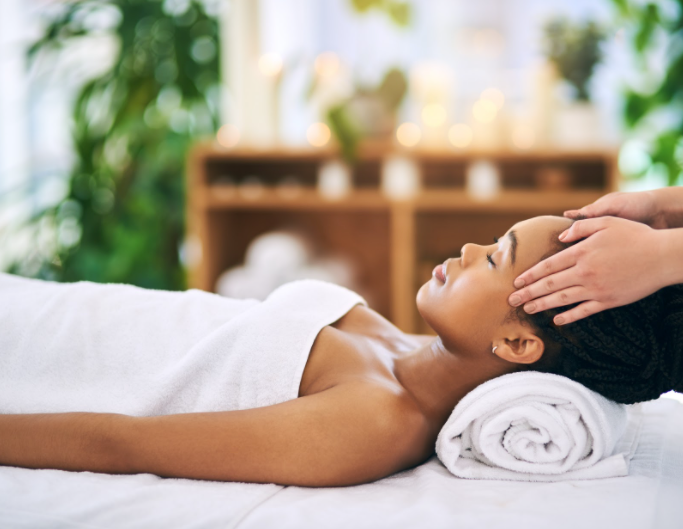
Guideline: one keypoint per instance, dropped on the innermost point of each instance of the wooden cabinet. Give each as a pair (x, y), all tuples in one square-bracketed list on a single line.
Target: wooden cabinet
[(234, 196)]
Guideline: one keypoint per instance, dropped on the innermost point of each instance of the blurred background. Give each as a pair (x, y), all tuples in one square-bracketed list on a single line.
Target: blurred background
[(233, 145)]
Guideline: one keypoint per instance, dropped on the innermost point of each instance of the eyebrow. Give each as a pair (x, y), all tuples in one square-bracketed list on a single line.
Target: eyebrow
[(513, 246)]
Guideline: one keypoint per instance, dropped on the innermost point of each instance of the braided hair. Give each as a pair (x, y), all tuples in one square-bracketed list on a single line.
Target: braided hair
[(628, 354)]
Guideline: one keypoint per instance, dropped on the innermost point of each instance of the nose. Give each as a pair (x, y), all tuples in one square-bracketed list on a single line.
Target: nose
[(469, 252)]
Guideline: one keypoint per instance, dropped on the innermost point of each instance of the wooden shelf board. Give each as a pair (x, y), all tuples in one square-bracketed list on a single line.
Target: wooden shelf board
[(213, 151), (508, 201), (218, 198), (511, 154), (305, 199)]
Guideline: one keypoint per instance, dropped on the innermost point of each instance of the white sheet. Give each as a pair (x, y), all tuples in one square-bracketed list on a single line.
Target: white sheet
[(428, 496)]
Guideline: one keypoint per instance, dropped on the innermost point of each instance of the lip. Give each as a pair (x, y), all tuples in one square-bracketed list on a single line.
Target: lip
[(439, 273)]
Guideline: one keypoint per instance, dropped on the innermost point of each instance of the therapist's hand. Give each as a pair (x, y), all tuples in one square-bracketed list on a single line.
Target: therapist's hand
[(615, 264), (644, 206)]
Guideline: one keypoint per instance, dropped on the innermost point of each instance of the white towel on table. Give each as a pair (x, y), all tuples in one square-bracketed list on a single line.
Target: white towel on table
[(532, 426)]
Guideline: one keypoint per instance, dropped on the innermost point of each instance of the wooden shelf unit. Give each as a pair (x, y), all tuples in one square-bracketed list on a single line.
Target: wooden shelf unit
[(393, 245)]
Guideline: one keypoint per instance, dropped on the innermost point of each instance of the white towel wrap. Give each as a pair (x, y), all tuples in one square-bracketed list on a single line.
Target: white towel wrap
[(532, 426), (121, 349)]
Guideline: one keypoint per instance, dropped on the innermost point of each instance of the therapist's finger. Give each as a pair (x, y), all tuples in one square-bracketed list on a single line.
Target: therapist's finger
[(584, 228), (587, 308), (545, 286), (587, 212), (556, 263), (561, 298)]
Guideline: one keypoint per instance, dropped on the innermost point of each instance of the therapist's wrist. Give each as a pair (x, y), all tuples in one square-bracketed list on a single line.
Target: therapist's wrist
[(668, 207), (671, 256)]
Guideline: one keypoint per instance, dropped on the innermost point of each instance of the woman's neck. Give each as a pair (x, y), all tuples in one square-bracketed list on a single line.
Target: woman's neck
[(437, 378)]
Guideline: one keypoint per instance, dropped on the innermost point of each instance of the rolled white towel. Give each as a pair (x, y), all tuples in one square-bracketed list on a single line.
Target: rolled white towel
[(532, 426)]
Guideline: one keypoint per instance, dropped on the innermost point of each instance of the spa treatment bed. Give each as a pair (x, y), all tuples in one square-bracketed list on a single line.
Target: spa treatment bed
[(42, 370), (651, 496)]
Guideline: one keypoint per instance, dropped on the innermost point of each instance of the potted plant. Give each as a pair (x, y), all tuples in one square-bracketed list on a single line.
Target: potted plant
[(574, 51)]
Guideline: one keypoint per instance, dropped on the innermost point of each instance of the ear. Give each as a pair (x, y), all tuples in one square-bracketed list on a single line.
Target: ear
[(518, 344)]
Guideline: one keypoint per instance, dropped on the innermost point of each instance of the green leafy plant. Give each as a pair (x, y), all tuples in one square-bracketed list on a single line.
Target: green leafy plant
[(574, 49), (647, 26), (351, 124), (123, 217), (347, 122), (399, 12)]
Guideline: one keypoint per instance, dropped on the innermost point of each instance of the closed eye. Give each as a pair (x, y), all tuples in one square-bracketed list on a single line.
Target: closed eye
[(490, 260)]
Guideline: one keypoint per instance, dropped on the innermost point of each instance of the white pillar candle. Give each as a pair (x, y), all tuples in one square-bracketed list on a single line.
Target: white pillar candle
[(544, 102), (334, 180), (431, 88), (249, 102), (482, 180), (400, 177)]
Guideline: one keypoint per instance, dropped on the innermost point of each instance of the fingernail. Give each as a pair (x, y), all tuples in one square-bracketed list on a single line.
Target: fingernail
[(530, 307), (563, 235), (515, 300), (559, 320), (519, 283)]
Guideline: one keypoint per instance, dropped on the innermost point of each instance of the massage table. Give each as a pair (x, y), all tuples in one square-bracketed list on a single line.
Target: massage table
[(427, 496)]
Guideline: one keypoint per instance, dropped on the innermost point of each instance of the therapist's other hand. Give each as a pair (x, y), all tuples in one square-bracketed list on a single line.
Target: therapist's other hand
[(640, 207), (616, 263)]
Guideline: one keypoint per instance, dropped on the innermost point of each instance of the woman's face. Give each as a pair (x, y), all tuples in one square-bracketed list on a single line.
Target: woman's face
[(465, 301)]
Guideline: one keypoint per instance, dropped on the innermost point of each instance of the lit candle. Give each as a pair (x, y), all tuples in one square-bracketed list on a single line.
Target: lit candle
[(252, 78), (318, 134), (408, 134), (523, 136), (228, 136), (544, 106), (460, 135), (486, 113), (270, 67), (431, 86)]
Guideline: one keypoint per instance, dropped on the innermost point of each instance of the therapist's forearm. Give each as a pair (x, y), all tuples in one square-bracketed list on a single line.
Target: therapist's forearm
[(669, 202), (672, 256), (66, 441)]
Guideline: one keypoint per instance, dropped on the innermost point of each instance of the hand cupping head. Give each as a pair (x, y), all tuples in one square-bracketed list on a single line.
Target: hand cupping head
[(628, 354)]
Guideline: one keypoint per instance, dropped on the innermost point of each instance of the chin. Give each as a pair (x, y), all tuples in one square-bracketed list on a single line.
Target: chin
[(423, 305), (420, 299)]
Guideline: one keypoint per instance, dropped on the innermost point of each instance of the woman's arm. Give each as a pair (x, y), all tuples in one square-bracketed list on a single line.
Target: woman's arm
[(347, 435)]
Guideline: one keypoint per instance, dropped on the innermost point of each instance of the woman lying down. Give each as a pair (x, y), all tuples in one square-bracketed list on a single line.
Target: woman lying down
[(310, 387)]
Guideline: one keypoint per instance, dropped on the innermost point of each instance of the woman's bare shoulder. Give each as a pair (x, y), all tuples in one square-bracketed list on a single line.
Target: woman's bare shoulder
[(394, 414)]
